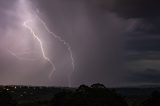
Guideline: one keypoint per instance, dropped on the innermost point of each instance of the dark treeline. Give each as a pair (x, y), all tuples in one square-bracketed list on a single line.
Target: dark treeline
[(94, 95)]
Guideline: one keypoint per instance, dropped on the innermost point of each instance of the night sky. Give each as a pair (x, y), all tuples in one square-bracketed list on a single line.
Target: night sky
[(114, 42)]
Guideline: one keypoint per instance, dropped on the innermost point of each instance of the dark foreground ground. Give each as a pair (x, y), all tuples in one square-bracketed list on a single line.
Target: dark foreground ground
[(96, 95)]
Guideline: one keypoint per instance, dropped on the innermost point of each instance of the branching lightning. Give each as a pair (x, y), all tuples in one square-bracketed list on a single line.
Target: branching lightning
[(60, 39), (41, 45), (28, 19)]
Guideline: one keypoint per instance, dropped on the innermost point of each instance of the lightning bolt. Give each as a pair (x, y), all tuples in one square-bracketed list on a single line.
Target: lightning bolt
[(60, 39), (24, 5), (63, 41), (41, 46)]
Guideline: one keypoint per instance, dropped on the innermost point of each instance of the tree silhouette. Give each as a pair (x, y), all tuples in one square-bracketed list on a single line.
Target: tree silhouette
[(154, 100), (96, 95), (98, 86)]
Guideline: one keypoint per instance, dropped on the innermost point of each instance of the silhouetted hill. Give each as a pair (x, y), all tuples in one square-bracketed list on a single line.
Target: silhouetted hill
[(95, 95), (153, 100), (42, 96)]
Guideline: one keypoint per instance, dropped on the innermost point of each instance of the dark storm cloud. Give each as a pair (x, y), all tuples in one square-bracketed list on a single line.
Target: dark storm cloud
[(145, 76), (135, 56), (138, 8), (145, 44), (146, 34), (142, 42), (148, 12), (129, 8)]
